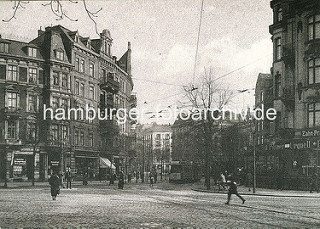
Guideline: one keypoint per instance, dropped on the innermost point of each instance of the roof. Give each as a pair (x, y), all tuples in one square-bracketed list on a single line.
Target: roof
[(19, 48)]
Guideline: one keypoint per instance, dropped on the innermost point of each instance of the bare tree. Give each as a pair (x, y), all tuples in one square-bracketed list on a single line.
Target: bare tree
[(205, 98), (58, 9)]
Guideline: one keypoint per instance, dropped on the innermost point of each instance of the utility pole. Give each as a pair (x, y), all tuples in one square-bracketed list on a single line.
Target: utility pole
[(143, 152)]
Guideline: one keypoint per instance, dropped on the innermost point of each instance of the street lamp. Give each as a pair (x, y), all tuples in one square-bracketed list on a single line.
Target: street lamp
[(252, 128)]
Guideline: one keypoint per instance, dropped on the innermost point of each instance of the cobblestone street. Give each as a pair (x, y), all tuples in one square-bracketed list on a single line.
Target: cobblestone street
[(140, 205)]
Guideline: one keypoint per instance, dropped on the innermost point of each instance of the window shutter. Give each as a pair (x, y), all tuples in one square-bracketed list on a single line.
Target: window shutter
[(23, 74), (3, 72), (41, 76)]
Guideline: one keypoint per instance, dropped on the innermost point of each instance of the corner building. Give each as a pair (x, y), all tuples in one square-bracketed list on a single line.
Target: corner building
[(294, 137), (60, 69)]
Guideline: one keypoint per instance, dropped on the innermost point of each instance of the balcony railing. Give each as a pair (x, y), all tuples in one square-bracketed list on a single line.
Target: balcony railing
[(109, 84)]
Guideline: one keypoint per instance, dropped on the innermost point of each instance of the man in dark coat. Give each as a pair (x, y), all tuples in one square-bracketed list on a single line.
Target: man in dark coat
[(233, 190), (68, 178), (54, 182), (121, 180)]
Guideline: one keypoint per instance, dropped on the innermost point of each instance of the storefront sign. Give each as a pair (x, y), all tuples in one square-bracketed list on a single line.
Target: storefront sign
[(20, 161), (310, 133), (54, 163)]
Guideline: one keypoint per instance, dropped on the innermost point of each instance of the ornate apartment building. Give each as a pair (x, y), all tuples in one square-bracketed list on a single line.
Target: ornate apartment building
[(61, 69), (293, 142)]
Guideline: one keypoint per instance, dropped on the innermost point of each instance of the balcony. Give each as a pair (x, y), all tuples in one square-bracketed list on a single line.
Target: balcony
[(288, 97), (133, 100), (109, 85), (288, 55), (109, 127)]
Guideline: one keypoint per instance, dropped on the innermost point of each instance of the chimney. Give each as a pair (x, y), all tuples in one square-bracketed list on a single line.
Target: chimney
[(40, 32), (129, 59)]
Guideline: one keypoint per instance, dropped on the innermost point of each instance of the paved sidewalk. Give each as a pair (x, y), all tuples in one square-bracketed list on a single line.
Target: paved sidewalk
[(259, 191)]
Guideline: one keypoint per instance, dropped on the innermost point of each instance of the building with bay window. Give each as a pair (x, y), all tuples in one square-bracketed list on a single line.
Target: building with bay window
[(62, 70), (290, 150)]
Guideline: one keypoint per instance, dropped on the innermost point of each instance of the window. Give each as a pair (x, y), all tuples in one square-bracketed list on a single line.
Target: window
[(77, 64), (12, 100), (91, 70), (91, 92), (313, 115), (277, 90), (314, 71), (12, 73), (31, 131), (32, 52), (91, 139), (56, 79), (4, 47), (64, 80), (82, 66), (104, 74), (77, 88), (82, 138), (277, 49), (279, 15), (59, 55), (55, 102), (12, 129), (82, 89), (109, 49), (65, 133), (32, 102), (261, 96), (32, 75), (314, 27), (54, 132), (76, 137), (64, 104)]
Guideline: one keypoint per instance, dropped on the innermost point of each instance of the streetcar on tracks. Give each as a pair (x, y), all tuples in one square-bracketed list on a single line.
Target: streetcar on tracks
[(184, 172)]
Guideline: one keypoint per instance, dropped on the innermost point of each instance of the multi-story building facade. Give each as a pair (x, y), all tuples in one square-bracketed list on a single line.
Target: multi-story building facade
[(294, 135), (153, 146), (61, 69)]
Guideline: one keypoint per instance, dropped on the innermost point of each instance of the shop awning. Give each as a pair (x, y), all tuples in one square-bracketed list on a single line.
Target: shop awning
[(105, 163)]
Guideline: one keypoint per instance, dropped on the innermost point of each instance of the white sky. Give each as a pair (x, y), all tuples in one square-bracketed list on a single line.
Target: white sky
[(163, 36)]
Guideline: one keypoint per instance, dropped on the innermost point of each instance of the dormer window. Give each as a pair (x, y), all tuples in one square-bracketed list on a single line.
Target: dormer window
[(4, 47), (59, 55), (32, 52)]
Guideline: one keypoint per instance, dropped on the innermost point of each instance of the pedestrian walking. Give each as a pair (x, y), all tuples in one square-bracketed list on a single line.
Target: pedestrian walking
[(85, 178), (54, 182), (68, 176), (121, 180), (222, 181), (233, 190), (151, 178)]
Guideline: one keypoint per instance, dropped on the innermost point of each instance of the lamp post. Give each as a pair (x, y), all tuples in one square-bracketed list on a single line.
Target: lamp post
[(252, 128), (5, 164)]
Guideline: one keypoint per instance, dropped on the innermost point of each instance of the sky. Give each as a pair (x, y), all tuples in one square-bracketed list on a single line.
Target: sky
[(163, 36)]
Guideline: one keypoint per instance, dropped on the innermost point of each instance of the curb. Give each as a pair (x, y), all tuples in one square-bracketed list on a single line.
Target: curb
[(257, 194)]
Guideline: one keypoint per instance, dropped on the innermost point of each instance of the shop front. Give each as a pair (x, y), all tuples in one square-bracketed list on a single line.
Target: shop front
[(86, 166)]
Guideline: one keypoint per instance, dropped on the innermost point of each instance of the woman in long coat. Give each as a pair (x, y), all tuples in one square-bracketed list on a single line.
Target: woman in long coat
[(54, 182)]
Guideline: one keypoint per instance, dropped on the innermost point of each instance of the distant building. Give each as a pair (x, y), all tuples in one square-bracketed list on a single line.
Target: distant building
[(156, 147)]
